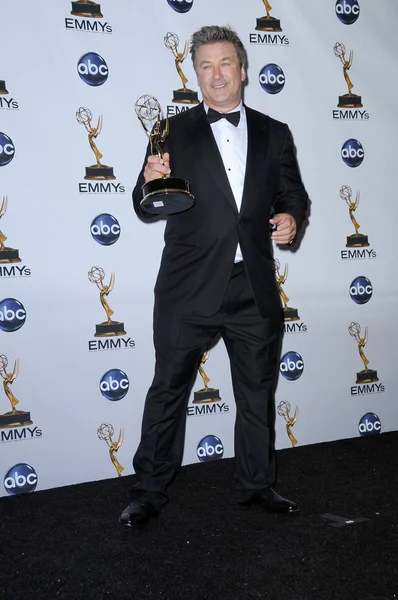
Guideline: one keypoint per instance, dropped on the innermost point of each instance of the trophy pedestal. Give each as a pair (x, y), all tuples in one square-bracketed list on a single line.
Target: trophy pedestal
[(167, 196), (19, 418), (99, 172), (185, 96), (9, 255), (3, 89), (350, 101), (86, 10), (209, 395), (106, 329), (357, 240), (268, 24), (367, 376), (290, 314)]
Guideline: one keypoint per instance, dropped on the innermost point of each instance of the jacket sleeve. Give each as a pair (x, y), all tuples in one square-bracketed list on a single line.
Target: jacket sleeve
[(291, 196), (137, 192)]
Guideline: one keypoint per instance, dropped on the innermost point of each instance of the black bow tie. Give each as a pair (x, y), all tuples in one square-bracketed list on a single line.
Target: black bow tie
[(213, 116)]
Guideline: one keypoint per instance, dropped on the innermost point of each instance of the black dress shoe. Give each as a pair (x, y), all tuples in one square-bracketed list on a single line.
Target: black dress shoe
[(272, 501), (138, 514)]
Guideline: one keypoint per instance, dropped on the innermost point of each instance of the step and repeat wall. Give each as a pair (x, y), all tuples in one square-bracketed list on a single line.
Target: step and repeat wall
[(77, 267)]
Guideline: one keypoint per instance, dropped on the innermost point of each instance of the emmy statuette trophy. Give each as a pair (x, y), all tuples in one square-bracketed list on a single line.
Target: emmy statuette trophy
[(356, 240), (98, 171), (349, 100), (105, 433), (206, 394), (284, 409), (366, 375), (184, 95), (86, 8), (167, 195), (289, 314), (268, 23), (3, 88), (13, 418), (107, 328), (7, 255)]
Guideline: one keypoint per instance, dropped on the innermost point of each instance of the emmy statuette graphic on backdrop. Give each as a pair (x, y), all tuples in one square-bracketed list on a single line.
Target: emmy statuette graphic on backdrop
[(289, 314), (7, 255), (108, 328), (3, 88), (349, 100), (284, 409), (206, 394), (356, 240), (366, 375), (268, 23), (13, 418), (86, 8), (105, 433), (184, 95), (97, 171), (167, 195)]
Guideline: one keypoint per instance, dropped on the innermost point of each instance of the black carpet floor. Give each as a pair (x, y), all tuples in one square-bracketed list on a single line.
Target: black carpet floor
[(67, 544)]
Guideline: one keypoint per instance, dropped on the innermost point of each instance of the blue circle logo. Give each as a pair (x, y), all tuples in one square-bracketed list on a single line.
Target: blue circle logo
[(272, 79), (7, 149), (12, 314), (352, 153), (291, 365), (180, 6), (93, 69), (361, 290), (347, 11), (114, 385), (105, 229), (369, 425), (20, 479), (210, 448)]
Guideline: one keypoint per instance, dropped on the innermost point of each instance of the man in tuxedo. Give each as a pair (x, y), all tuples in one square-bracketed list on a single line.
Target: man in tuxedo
[(217, 275)]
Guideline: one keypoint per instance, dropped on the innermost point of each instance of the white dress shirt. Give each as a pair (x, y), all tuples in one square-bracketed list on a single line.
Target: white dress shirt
[(232, 145)]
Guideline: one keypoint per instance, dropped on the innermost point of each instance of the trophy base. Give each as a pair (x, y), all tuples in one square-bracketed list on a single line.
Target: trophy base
[(3, 90), (290, 314), (86, 10), (205, 396), (99, 172), (268, 24), (9, 255), (167, 196), (357, 240), (20, 418), (350, 101), (367, 376), (185, 96), (109, 329)]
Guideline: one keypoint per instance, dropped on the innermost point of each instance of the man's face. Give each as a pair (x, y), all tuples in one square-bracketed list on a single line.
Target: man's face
[(219, 75)]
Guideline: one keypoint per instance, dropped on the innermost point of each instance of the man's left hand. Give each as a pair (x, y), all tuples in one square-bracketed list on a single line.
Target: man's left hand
[(286, 228)]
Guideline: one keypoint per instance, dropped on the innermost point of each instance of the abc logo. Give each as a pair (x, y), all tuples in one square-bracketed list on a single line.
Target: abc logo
[(105, 229), (291, 366), (352, 153), (93, 69), (7, 149), (347, 11), (369, 425), (181, 6), (114, 385), (12, 314), (361, 290), (272, 79), (210, 448), (20, 479)]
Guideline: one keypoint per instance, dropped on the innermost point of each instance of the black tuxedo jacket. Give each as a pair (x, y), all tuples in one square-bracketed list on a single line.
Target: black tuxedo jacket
[(200, 244)]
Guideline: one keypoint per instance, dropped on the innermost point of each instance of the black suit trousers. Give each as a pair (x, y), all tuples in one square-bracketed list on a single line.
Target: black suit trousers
[(253, 345)]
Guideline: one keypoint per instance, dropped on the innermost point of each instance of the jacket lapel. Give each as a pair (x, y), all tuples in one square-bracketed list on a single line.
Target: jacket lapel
[(257, 146)]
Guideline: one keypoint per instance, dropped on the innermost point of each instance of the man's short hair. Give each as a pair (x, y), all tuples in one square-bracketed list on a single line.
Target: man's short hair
[(212, 34)]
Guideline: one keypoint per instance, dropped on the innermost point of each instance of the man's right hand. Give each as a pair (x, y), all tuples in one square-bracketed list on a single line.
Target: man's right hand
[(157, 167)]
